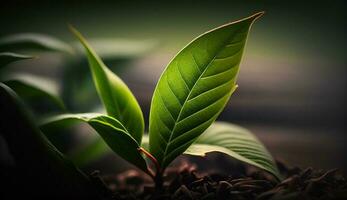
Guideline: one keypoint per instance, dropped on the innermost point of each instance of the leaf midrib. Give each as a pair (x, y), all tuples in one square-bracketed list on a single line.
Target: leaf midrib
[(190, 92)]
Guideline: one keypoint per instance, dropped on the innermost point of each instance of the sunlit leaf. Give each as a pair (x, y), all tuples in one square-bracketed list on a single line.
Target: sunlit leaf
[(118, 100), (195, 87), (9, 57), (33, 42), (237, 142), (145, 142), (111, 130)]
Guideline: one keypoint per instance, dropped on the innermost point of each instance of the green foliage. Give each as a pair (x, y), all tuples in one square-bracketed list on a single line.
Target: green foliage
[(32, 93), (236, 142), (111, 130), (194, 89), (34, 154), (118, 100), (79, 94), (190, 94), (33, 42), (8, 57)]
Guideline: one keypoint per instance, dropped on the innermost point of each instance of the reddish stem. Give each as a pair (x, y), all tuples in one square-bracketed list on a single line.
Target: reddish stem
[(152, 158)]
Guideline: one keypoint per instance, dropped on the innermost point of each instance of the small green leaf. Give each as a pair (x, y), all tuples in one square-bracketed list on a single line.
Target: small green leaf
[(237, 142), (195, 87), (33, 42), (8, 57), (34, 94), (111, 130), (118, 100)]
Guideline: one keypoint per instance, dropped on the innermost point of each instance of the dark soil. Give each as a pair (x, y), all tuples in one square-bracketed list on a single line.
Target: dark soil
[(185, 182)]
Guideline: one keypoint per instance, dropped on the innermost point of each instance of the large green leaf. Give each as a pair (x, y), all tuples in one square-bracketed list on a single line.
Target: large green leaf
[(237, 142), (33, 42), (8, 57), (195, 87), (118, 100), (111, 130)]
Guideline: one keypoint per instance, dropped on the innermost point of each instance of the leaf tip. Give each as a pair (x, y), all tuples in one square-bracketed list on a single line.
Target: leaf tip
[(74, 31), (258, 15)]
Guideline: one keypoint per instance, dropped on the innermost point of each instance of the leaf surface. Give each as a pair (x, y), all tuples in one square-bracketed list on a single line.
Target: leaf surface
[(33, 94), (96, 149), (236, 142), (33, 42), (111, 130), (194, 88), (9, 57), (118, 100)]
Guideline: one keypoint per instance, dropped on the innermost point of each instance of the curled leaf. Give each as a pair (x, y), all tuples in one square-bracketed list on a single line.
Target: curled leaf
[(236, 142)]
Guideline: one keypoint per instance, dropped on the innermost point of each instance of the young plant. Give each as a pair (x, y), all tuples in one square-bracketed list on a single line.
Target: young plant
[(189, 96)]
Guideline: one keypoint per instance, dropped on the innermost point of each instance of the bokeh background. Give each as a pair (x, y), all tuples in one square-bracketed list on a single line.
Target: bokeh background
[(292, 83)]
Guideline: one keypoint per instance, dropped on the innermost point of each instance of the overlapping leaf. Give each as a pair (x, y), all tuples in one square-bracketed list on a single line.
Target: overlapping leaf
[(34, 154), (237, 142), (33, 42), (111, 130), (8, 57), (118, 100), (96, 149), (33, 94), (194, 88)]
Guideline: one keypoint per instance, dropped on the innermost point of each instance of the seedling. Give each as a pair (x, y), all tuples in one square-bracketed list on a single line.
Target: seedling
[(189, 96)]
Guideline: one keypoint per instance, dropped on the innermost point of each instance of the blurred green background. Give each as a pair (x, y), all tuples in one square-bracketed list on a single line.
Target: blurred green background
[(292, 83)]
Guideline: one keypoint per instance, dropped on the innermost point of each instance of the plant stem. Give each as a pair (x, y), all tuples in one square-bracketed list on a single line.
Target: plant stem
[(158, 176), (158, 180)]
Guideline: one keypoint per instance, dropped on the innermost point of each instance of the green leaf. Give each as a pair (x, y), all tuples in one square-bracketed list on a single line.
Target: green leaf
[(111, 130), (9, 57), (237, 142), (34, 154), (34, 94), (118, 100), (96, 149), (33, 42), (195, 87)]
